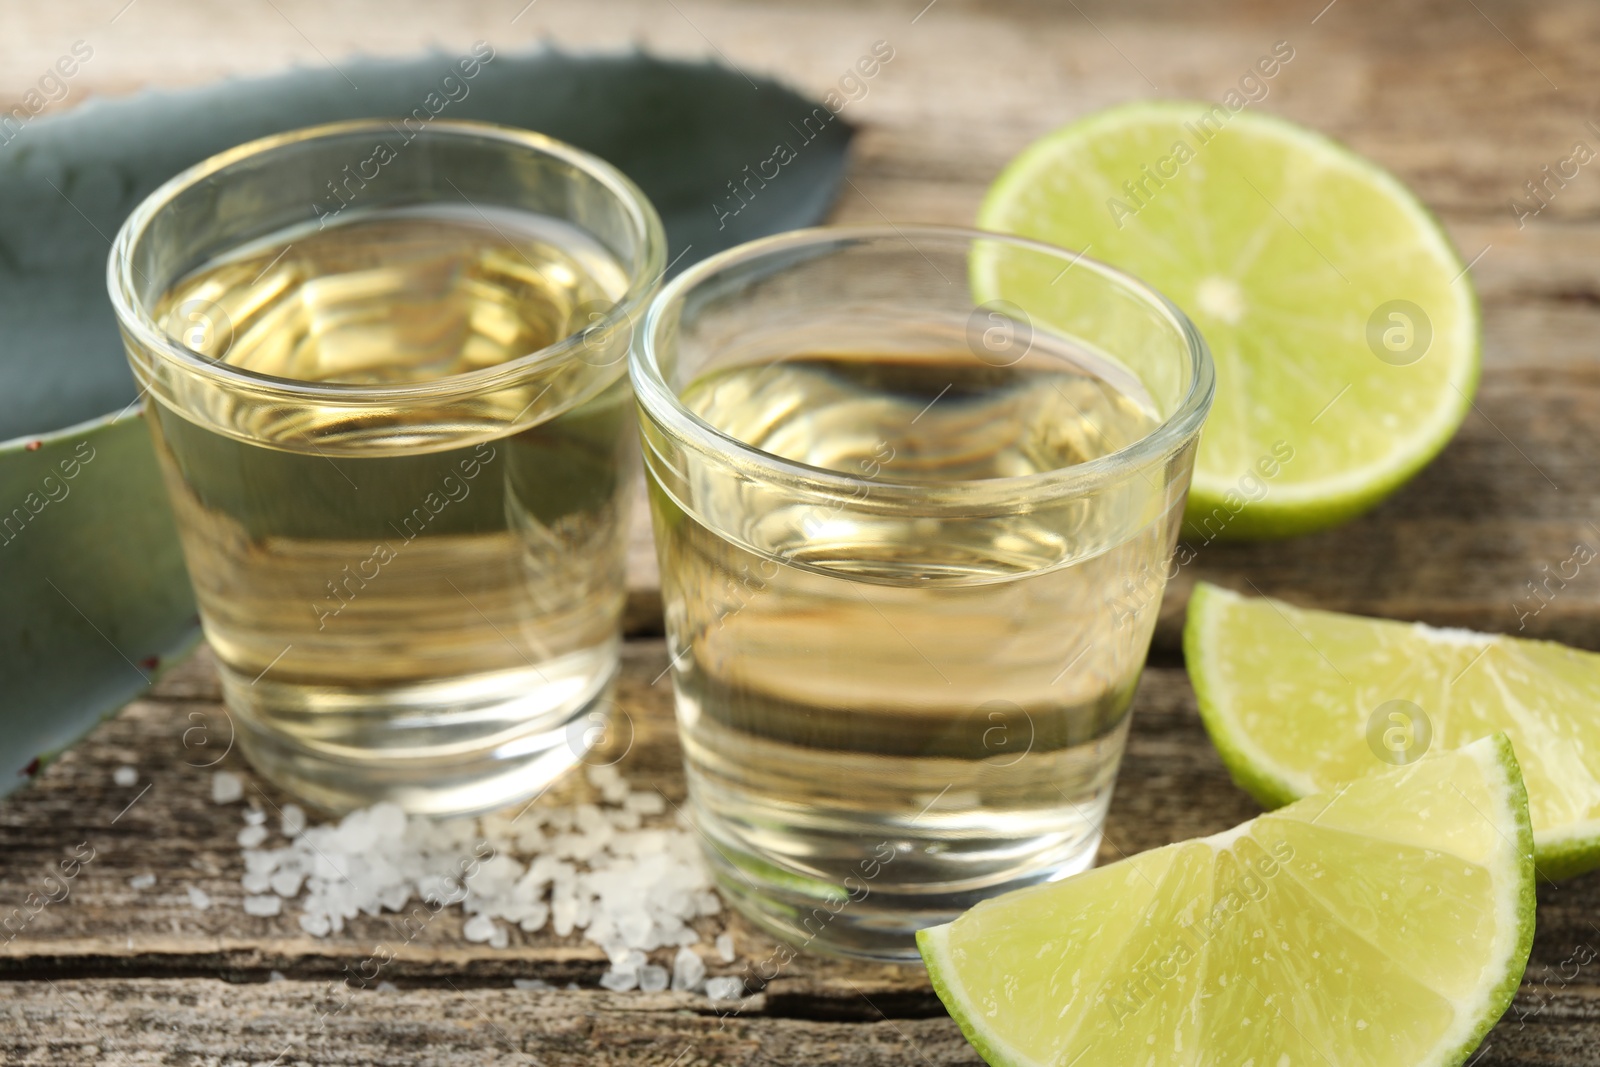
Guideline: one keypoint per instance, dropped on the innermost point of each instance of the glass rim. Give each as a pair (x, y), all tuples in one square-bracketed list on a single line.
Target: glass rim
[(133, 315), (663, 404)]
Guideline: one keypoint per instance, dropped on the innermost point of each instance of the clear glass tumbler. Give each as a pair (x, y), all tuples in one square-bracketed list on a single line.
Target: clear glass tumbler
[(386, 381), (915, 493)]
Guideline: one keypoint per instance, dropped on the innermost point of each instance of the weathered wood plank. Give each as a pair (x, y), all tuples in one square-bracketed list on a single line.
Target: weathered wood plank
[(200, 1021), (124, 1021), (1173, 786), (174, 831), (971, 80)]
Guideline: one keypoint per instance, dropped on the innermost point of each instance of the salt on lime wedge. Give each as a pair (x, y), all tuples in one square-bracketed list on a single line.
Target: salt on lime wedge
[(1387, 924), (1300, 702), (1343, 324)]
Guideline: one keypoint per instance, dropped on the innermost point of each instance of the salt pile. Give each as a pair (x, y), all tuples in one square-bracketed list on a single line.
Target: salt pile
[(595, 868)]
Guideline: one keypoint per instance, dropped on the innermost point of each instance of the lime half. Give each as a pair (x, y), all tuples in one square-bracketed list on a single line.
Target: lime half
[(1387, 924), (1343, 324), (1300, 702)]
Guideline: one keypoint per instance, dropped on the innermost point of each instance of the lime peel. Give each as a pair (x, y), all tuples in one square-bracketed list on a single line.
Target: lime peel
[(1285, 248), (1389, 923), (1290, 697)]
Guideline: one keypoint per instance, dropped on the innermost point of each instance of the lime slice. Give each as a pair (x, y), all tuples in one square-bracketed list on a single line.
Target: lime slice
[(1387, 925), (1343, 324), (1300, 702)]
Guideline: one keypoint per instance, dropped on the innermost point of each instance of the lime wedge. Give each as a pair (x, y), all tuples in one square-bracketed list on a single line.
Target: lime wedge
[(1387, 924), (1300, 702), (1343, 324)]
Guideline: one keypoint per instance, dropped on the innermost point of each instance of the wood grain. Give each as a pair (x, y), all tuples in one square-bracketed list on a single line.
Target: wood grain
[(172, 829), (150, 955), (126, 1021)]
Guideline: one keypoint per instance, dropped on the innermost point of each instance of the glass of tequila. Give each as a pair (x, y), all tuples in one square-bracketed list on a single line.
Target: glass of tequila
[(913, 539), (386, 381)]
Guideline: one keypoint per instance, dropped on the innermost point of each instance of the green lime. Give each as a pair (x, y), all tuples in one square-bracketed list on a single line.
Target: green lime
[(1343, 324), (1300, 702), (1387, 924)]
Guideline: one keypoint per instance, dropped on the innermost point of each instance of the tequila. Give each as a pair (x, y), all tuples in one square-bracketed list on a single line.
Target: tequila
[(397, 441), (844, 679), (431, 595), (407, 593), (912, 547)]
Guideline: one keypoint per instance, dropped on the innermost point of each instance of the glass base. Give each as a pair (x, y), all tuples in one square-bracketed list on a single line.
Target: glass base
[(862, 917), (500, 741)]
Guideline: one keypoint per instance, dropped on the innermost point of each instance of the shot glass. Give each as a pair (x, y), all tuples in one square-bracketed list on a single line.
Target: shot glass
[(915, 493), (385, 370)]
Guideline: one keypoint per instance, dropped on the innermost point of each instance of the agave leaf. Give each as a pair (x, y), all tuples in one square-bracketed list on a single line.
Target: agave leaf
[(93, 597)]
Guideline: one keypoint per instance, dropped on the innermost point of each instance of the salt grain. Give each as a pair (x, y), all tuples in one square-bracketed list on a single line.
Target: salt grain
[(688, 970), (725, 988), (199, 899), (626, 959), (294, 820), (251, 836), (478, 928), (725, 947), (226, 787), (255, 817), (531, 983), (619, 981), (652, 979), (264, 905), (125, 775), (646, 803), (286, 883), (141, 881)]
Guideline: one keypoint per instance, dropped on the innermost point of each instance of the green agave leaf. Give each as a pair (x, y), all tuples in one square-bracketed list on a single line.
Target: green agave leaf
[(93, 596), (683, 131)]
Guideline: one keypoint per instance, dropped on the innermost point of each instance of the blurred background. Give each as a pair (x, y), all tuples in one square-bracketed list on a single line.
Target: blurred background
[(1465, 102)]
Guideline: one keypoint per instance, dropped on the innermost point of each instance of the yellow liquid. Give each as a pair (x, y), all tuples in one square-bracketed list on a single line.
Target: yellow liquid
[(855, 684), (418, 616)]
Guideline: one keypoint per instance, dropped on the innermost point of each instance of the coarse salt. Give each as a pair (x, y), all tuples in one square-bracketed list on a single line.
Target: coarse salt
[(226, 787), (652, 978), (725, 988), (688, 970), (593, 868), (264, 905)]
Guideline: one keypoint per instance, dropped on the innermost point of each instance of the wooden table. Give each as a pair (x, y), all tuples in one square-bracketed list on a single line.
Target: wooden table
[(1464, 100)]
